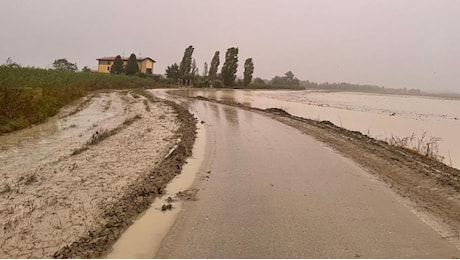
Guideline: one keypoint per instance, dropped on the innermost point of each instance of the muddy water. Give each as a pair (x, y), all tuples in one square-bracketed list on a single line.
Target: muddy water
[(144, 236), (40, 144), (274, 192), (380, 116)]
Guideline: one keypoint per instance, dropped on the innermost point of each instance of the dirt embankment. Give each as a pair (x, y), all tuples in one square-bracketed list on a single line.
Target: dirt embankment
[(433, 186), (71, 194), (139, 195)]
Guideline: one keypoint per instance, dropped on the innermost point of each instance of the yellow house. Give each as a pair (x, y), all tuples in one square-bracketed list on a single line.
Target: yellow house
[(145, 64)]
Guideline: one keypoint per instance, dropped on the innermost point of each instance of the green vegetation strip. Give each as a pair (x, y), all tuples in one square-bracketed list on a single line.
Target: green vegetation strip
[(30, 95)]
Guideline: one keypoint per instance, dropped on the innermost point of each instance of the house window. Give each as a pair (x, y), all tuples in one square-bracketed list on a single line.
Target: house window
[(108, 67), (148, 71)]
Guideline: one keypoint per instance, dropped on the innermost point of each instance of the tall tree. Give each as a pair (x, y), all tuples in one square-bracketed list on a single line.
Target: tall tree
[(230, 66), (248, 71), (117, 66), (172, 72), (194, 70), (132, 67), (214, 66), (291, 79), (185, 66), (205, 70), (63, 64), (289, 75)]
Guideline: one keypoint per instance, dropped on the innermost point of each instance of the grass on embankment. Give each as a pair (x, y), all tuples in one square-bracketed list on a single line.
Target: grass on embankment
[(29, 95)]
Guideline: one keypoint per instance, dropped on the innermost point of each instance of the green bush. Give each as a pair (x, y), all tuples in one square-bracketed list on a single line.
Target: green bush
[(141, 75), (217, 84)]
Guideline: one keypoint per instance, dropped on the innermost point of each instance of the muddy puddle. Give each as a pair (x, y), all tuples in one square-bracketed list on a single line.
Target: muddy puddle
[(380, 116), (143, 238)]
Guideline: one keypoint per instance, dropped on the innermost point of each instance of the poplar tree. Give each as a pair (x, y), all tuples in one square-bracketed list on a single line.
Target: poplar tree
[(230, 67), (194, 70), (248, 71), (214, 66), (185, 66), (117, 66), (205, 70), (132, 67)]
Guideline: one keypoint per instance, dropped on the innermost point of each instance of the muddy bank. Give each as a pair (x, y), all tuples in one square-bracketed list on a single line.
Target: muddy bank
[(433, 186), (71, 189), (139, 195)]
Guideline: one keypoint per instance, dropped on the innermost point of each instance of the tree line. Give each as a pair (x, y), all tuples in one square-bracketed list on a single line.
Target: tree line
[(359, 88), (186, 72), (117, 68)]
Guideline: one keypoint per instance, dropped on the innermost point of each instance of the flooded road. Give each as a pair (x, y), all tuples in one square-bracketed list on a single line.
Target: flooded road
[(273, 192), (263, 189), (379, 116)]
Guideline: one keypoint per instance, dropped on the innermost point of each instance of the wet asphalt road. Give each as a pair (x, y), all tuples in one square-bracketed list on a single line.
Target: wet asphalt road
[(274, 192)]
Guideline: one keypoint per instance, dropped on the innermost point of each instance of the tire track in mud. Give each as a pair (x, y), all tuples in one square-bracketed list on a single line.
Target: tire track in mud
[(102, 134), (139, 195), (56, 203)]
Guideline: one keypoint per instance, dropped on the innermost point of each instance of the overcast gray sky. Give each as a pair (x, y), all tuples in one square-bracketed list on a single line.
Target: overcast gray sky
[(392, 43)]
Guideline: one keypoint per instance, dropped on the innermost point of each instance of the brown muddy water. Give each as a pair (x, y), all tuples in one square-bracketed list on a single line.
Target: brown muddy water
[(379, 116), (255, 172), (143, 238), (274, 192), (235, 178)]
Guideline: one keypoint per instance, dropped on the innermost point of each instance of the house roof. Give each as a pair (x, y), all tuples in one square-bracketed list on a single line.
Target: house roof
[(111, 58)]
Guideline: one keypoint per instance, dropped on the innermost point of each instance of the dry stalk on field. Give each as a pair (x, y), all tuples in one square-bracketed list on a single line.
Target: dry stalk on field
[(426, 146)]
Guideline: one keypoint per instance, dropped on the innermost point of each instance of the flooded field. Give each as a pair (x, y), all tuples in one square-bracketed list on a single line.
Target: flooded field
[(385, 117), (261, 169), (59, 178)]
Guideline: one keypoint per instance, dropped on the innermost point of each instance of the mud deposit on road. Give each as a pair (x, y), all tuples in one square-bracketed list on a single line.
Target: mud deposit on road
[(71, 186), (433, 186)]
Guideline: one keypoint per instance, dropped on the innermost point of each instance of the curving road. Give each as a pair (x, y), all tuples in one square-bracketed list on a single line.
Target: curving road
[(274, 192)]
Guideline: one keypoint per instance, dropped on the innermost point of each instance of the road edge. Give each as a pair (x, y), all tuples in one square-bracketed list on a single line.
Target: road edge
[(433, 186), (139, 195)]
